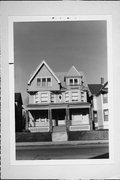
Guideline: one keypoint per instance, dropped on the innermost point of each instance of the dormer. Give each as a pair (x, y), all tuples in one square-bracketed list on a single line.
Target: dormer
[(43, 79), (73, 77)]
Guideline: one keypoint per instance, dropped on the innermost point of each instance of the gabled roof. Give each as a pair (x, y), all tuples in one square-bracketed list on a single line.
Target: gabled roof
[(62, 75), (73, 72), (104, 89), (38, 68), (18, 98), (95, 88)]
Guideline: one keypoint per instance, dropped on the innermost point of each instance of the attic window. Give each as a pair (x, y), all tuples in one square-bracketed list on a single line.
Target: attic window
[(73, 81), (38, 81), (44, 82)]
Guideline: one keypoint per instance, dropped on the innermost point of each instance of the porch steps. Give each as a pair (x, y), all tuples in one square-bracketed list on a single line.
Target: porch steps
[(59, 134), (59, 129)]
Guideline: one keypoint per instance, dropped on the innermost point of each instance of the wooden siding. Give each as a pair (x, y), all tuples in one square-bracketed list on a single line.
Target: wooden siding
[(56, 97), (44, 72)]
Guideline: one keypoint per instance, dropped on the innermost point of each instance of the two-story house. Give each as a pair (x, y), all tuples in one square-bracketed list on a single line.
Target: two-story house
[(58, 100), (99, 103)]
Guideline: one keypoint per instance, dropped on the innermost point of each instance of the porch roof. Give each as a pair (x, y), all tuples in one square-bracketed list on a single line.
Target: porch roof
[(57, 106)]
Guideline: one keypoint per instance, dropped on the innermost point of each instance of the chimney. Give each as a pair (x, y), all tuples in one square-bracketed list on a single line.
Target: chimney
[(102, 80)]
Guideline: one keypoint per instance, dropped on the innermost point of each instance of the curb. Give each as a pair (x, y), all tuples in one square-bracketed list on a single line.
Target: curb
[(63, 143)]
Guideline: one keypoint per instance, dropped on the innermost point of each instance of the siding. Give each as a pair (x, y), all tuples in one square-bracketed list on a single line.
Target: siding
[(44, 72)]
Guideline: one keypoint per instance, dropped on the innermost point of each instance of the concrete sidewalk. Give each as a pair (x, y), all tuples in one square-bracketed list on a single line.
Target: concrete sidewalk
[(60, 143)]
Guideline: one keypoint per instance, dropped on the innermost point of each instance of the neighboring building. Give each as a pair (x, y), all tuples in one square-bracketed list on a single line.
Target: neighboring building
[(19, 123), (58, 100), (99, 100)]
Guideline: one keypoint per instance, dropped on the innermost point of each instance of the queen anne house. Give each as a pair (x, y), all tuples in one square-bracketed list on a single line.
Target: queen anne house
[(58, 101)]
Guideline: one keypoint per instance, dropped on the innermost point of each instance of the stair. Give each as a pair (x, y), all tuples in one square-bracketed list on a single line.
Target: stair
[(59, 134), (59, 129)]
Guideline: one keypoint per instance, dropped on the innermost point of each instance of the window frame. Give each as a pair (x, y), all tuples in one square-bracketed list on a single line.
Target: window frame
[(46, 81), (73, 79), (106, 110), (105, 98), (74, 96)]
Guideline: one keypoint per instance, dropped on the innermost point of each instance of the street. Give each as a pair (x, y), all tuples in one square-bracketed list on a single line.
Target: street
[(67, 151)]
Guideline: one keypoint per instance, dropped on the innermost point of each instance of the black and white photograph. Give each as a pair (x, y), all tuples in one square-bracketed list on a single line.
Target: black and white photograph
[(61, 89)]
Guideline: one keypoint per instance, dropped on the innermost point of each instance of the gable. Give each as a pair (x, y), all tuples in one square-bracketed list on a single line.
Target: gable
[(73, 72), (43, 63), (43, 72), (94, 88)]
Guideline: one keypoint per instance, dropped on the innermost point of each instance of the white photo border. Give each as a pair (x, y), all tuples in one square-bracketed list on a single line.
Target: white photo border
[(11, 20)]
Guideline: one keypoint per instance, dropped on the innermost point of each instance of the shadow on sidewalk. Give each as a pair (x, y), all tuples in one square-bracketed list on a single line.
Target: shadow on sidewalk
[(103, 156)]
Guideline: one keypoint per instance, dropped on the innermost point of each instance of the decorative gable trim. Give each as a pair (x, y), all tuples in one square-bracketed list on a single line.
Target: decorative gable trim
[(73, 70), (39, 67)]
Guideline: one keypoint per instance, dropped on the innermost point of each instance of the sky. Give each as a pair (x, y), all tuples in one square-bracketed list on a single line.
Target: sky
[(61, 44)]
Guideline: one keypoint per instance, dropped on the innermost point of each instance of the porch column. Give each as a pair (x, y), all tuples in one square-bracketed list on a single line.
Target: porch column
[(90, 118), (50, 118), (27, 120), (67, 117)]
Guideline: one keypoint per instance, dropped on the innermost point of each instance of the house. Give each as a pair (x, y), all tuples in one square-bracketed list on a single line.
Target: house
[(58, 100), (99, 101), (18, 112)]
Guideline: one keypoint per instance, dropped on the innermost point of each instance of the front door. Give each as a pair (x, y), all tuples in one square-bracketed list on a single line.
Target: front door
[(59, 117)]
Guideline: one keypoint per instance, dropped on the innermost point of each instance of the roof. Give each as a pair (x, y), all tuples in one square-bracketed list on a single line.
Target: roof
[(38, 68), (73, 72), (62, 75), (18, 98), (94, 88), (104, 89)]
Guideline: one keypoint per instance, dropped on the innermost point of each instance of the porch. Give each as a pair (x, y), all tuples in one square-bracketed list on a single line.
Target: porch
[(73, 117)]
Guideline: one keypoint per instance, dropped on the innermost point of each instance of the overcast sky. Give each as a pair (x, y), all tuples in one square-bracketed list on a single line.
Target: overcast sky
[(61, 44)]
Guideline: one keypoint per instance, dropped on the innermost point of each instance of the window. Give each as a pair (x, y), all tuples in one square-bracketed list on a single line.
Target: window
[(44, 82), (36, 98), (52, 97), (95, 116), (48, 81), (67, 97), (82, 96), (44, 97), (73, 81), (38, 81), (105, 114), (105, 98), (74, 96)]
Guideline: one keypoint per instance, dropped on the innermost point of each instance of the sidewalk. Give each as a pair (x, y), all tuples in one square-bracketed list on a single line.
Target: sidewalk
[(60, 143)]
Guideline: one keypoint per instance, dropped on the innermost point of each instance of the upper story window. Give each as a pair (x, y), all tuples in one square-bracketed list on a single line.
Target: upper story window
[(44, 82), (67, 97), (105, 111), (37, 98), (105, 98), (74, 96), (73, 81), (44, 97)]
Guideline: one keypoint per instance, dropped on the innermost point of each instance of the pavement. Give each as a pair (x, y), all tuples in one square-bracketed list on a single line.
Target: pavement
[(60, 144), (98, 149)]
